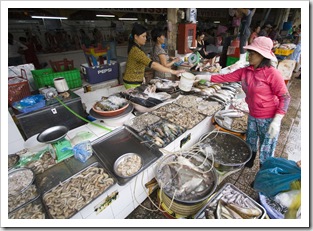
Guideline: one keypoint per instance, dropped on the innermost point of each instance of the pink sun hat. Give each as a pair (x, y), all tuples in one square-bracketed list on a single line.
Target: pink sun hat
[(262, 45)]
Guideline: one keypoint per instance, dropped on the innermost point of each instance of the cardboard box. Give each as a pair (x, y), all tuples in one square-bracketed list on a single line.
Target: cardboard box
[(100, 73)]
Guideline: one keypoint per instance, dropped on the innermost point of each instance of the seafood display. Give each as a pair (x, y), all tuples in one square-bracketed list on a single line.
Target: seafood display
[(232, 119), (145, 95), (128, 165), (164, 84), (230, 203), (240, 124), (33, 210), (16, 201), (205, 107), (69, 197), (186, 178), (140, 122), (19, 180), (240, 104), (161, 133), (184, 117), (229, 151), (12, 160), (42, 164), (110, 103)]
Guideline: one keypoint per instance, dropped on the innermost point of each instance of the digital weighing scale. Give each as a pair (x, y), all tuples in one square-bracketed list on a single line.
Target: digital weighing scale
[(60, 148)]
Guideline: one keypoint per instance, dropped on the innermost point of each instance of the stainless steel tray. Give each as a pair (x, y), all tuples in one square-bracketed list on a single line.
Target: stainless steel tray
[(19, 197), (111, 146), (34, 209), (95, 164), (218, 195)]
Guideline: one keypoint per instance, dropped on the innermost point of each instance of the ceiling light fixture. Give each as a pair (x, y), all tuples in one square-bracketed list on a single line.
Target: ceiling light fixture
[(217, 22), (105, 15), (128, 19), (49, 17)]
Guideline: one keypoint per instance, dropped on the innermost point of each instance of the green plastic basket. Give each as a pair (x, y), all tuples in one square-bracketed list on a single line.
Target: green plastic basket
[(231, 60), (45, 77)]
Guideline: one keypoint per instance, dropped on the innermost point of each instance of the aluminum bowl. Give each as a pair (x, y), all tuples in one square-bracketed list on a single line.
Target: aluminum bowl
[(122, 159), (170, 178), (52, 134), (13, 160), (16, 176)]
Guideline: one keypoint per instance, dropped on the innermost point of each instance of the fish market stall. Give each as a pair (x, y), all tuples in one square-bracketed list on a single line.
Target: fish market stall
[(161, 131)]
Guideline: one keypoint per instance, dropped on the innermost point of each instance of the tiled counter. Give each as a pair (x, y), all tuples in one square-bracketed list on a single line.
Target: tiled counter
[(134, 192)]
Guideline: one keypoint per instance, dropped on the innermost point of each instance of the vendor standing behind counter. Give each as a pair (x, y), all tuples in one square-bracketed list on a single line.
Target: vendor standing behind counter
[(159, 54), (137, 60), (266, 95)]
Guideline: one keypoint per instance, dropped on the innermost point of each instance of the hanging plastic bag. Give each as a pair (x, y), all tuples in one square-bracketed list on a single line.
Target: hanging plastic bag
[(276, 175)]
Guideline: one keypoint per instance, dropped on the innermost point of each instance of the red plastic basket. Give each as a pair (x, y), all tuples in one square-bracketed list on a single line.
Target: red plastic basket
[(20, 90)]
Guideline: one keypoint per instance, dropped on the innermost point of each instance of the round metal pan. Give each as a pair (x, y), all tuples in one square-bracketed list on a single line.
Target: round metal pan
[(52, 134), (122, 159)]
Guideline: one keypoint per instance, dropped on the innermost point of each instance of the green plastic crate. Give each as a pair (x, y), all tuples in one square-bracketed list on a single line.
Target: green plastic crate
[(231, 60), (45, 77)]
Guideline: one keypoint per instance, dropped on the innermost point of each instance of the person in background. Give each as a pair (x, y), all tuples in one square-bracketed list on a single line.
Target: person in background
[(254, 34), (265, 30), (137, 60), (296, 55), (16, 50), (274, 33), (159, 55), (201, 45), (266, 95), (84, 39), (98, 37), (30, 52), (246, 18)]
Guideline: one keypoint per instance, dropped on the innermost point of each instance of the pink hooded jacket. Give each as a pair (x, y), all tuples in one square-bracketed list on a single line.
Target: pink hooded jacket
[(266, 91)]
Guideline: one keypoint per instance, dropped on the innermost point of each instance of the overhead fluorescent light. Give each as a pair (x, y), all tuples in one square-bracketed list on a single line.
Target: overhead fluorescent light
[(128, 19), (49, 17), (105, 15), (217, 22)]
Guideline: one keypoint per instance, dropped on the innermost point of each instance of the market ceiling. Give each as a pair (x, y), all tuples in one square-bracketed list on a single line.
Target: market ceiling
[(90, 13)]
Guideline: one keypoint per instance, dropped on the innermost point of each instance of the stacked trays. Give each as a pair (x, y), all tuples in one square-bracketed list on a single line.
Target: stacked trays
[(70, 196)]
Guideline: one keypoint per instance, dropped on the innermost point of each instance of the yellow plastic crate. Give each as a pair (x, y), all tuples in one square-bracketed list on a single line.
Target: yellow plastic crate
[(284, 52)]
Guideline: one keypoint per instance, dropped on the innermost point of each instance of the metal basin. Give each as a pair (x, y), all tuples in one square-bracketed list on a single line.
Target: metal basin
[(189, 180), (230, 152)]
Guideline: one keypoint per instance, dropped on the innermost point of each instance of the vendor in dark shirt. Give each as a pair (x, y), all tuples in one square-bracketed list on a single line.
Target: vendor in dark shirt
[(201, 44)]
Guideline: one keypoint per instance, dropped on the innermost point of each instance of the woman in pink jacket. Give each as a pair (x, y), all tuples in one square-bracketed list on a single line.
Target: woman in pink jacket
[(266, 95)]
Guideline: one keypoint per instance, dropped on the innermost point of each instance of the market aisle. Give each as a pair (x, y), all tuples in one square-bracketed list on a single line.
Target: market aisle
[(289, 146)]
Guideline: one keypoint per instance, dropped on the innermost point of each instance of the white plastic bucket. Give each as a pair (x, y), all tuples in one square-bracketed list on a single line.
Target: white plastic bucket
[(186, 81)]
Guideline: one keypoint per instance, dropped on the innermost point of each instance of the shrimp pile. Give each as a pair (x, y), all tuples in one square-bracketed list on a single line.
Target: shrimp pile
[(66, 199)]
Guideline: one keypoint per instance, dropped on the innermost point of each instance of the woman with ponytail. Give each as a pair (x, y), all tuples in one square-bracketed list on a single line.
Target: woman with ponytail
[(137, 60)]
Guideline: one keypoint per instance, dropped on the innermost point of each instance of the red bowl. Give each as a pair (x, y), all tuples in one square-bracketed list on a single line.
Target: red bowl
[(110, 113)]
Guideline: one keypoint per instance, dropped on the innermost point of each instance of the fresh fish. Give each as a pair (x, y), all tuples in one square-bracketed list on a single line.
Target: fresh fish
[(245, 212)]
